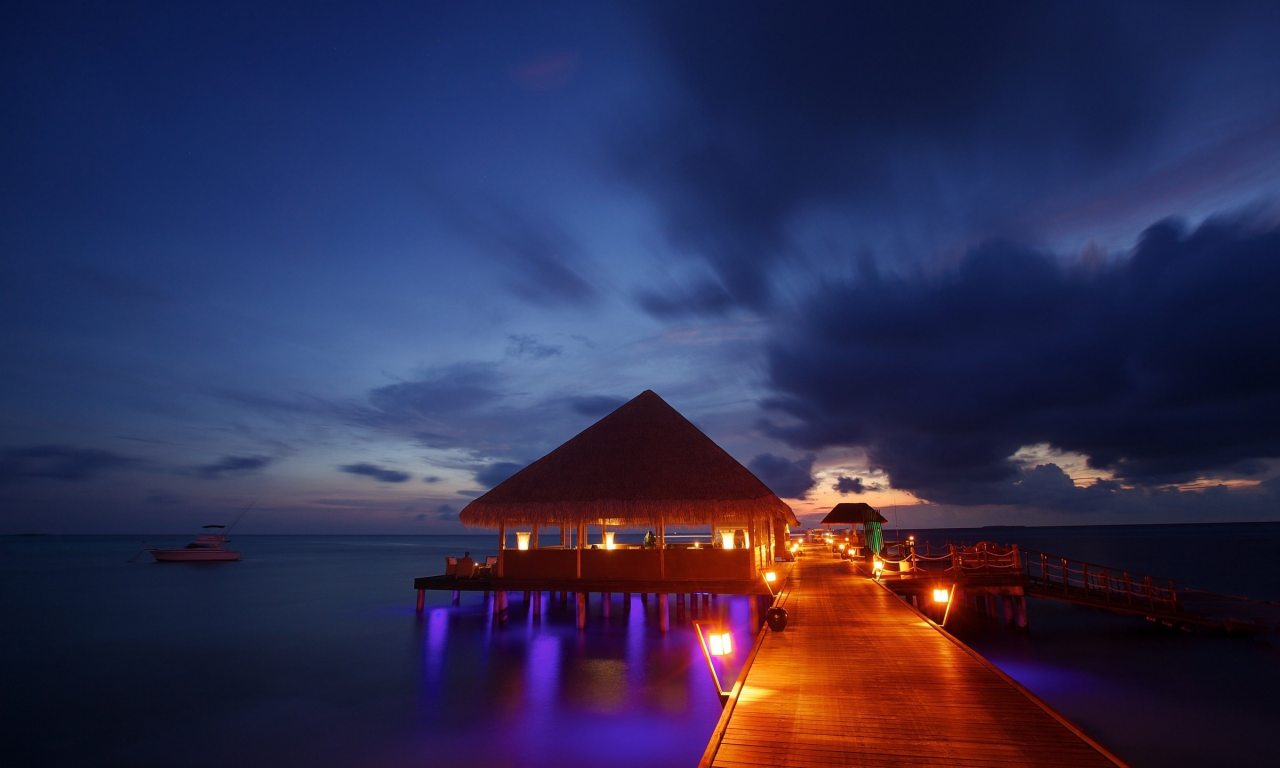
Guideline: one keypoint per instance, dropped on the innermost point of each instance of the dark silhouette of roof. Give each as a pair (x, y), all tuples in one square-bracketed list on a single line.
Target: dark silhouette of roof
[(852, 513), (640, 463)]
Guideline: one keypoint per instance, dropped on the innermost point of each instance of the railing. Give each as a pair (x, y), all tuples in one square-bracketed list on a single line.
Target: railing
[(1050, 574), (1076, 578)]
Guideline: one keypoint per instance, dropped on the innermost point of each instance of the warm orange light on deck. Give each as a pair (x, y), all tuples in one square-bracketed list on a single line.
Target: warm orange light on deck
[(877, 565), (726, 539), (522, 540), (941, 595), (608, 540), (842, 546), (719, 644), (770, 576)]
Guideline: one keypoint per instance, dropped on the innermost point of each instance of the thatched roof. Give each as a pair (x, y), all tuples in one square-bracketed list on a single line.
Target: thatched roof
[(639, 463), (852, 513)]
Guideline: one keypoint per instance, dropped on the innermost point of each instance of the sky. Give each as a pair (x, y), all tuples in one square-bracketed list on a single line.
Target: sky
[(354, 264)]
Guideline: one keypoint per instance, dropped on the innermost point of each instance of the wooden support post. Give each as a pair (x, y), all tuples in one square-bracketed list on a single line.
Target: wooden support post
[(582, 610), (644, 599), (1007, 600), (664, 620), (564, 599), (626, 602), (422, 599), (534, 538), (662, 549), (606, 599), (457, 597), (537, 603), (486, 594), (526, 599), (581, 527), (1020, 610), (502, 545)]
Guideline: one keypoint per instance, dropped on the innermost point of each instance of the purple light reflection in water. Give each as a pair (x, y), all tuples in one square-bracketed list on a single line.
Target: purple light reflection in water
[(539, 692)]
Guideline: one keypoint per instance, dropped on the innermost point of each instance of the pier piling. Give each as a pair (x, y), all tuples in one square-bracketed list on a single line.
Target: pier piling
[(582, 610), (664, 620), (422, 599)]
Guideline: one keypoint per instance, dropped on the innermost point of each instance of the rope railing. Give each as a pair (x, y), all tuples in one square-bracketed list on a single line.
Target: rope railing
[(1071, 578), (1079, 578)]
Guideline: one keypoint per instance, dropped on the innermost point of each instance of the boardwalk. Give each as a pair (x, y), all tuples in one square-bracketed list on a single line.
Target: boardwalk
[(860, 679)]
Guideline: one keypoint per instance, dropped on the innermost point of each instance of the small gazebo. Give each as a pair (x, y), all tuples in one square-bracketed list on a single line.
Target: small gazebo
[(644, 466), (858, 513)]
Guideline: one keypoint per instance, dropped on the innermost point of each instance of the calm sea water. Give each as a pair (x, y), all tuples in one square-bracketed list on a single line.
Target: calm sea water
[(309, 652), (1157, 697)]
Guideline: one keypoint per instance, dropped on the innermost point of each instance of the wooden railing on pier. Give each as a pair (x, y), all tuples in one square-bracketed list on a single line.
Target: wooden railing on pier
[(1054, 577)]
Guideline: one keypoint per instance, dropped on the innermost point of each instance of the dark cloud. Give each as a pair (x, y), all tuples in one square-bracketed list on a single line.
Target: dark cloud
[(447, 513), (58, 462), (233, 465), (595, 406), (378, 473), (1160, 367), (541, 262), (847, 485), (496, 472), (789, 479), (431, 479), (889, 108), (440, 394), (525, 345)]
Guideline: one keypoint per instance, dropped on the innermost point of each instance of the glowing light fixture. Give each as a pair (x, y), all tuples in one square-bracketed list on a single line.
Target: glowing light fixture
[(941, 595), (877, 565), (842, 546), (726, 539), (770, 576), (522, 540), (608, 540), (720, 644)]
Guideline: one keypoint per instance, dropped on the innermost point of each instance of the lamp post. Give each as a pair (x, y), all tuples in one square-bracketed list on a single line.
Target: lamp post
[(717, 642)]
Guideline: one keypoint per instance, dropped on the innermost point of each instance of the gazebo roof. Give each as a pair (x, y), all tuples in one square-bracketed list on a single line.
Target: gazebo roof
[(640, 463), (852, 513)]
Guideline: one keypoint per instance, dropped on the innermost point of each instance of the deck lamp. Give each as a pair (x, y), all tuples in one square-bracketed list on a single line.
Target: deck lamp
[(770, 576), (608, 540), (716, 642), (522, 540), (877, 565), (941, 595), (726, 539)]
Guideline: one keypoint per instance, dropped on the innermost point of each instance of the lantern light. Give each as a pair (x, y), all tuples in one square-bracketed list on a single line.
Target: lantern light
[(941, 595), (877, 565), (522, 540), (719, 644), (608, 540), (770, 576), (726, 539)]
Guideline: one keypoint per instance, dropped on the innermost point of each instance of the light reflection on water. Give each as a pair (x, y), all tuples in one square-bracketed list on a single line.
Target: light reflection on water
[(317, 662)]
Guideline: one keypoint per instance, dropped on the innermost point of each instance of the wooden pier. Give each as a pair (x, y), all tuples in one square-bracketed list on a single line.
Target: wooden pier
[(859, 678)]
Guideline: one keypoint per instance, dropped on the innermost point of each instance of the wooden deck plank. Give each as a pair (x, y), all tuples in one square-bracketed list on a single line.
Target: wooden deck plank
[(860, 679)]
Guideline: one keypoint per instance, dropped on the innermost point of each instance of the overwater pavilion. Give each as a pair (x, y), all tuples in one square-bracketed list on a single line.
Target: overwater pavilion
[(643, 466)]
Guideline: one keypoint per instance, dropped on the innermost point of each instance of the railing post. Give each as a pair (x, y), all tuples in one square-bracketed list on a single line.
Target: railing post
[(1151, 594), (1173, 596), (1106, 585), (1066, 580), (1128, 588)]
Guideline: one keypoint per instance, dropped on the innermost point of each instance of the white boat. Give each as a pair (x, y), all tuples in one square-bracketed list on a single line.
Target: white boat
[(207, 547)]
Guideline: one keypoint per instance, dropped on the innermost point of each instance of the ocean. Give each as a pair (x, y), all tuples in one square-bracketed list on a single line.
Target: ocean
[(309, 652)]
